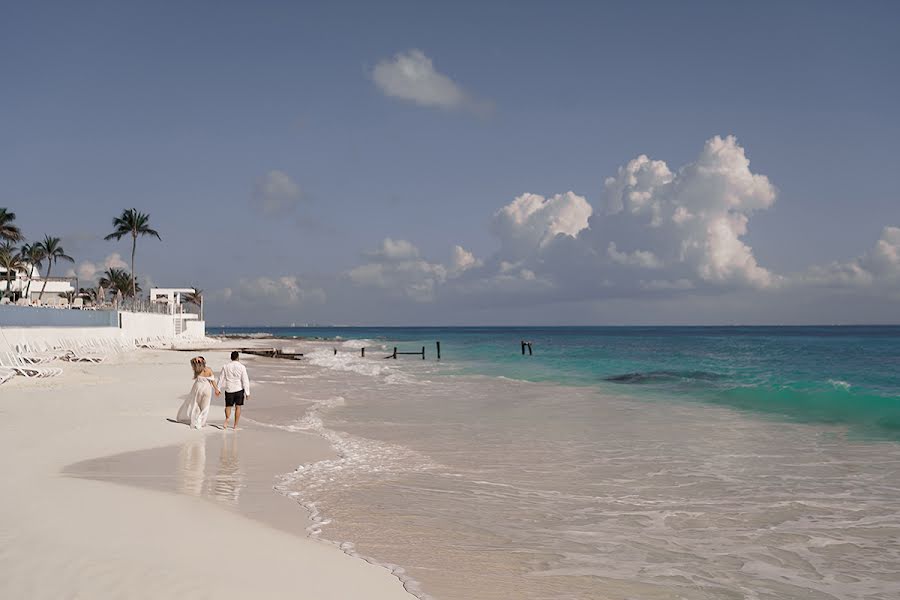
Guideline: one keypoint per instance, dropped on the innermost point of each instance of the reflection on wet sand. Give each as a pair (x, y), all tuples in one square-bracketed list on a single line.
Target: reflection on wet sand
[(229, 480), (191, 467)]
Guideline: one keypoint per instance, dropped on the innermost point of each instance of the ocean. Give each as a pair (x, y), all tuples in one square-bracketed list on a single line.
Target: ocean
[(613, 462)]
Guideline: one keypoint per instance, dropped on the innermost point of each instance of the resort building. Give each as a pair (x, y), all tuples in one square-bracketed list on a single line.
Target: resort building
[(173, 302), (56, 293)]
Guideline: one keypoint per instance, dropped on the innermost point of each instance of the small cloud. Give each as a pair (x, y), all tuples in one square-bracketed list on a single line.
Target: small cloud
[(880, 267), (286, 291), (276, 194), (462, 261), (88, 271), (394, 250), (411, 76)]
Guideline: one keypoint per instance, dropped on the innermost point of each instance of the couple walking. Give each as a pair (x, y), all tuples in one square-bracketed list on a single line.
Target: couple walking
[(233, 380)]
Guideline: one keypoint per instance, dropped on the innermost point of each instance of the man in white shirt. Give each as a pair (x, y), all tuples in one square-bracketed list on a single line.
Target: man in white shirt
[(236, 384)]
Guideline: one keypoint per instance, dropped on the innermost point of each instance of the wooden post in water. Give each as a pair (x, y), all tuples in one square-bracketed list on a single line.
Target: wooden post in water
[(438, 344), (529, 348), (423, 352), (395, 353), (335, 351), (362, 351)]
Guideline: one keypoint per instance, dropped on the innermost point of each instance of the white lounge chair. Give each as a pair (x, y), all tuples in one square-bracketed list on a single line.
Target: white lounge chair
[(21, 368), (6, 375)]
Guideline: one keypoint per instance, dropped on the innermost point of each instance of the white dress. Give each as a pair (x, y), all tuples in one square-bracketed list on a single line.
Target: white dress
[(195, 408)]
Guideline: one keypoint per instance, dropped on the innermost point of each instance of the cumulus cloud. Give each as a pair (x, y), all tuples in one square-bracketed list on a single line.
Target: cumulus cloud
[(394, 250), (411, 76), (880, 267), (276, 194), (89, 271), (286, 291), (530, 222), (397, 266), (689, 221), (463, 260), (653, 230)]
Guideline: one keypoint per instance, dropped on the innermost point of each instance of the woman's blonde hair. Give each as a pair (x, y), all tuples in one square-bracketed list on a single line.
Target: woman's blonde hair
[(197, 364)]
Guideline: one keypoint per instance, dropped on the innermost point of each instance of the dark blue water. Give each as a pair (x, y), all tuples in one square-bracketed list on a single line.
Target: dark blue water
[(835, 375)]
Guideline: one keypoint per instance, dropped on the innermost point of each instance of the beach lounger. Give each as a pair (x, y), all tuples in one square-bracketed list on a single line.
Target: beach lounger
[(11, 361), (32, 354)]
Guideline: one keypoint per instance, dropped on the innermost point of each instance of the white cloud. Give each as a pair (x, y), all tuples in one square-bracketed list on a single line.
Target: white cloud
[(463, 260), (395, 250), (654, 230), (531, 221), (411, 76), (880, 267), (684, 225), (282, 291), (397, 266), (691, 220), (88, 271), (638, 258), (276, 194)]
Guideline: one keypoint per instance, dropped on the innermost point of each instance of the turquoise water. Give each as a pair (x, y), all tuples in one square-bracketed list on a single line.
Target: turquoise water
[(834, 375)]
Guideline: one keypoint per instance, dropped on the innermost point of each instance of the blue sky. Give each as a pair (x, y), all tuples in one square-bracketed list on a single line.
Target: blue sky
[(283, 171)]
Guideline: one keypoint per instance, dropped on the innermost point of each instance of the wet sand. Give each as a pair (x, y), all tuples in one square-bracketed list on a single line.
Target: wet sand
[(69, 530)]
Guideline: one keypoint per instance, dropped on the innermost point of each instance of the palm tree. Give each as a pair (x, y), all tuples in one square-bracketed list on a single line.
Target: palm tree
[(135, 224), (195, 298), (11, 262), (53, 252), (8, 231), (34, 255), (118, 280)]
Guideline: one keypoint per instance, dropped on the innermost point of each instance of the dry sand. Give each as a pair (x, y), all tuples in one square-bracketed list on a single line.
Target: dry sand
[(66, 535)]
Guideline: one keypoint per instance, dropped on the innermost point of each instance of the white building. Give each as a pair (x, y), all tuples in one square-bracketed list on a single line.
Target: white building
[(55, 287), (172, 301)]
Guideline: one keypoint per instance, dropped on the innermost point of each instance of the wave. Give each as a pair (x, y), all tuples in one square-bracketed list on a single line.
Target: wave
[(355, 456), (344, 361), (830, 403), (664, 376)]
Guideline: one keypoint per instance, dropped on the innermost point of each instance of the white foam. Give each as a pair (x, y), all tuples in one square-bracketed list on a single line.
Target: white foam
[(344, 361), (356, 456)]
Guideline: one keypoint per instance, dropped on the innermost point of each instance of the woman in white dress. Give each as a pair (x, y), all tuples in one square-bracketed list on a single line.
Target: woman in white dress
[(195, 408)]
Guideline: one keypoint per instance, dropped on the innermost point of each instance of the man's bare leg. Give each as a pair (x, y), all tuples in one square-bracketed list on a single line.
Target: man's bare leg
[(237, 414), (227, 416)]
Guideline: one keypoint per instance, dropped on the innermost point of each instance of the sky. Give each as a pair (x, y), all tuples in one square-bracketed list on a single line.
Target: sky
[(453, 163)]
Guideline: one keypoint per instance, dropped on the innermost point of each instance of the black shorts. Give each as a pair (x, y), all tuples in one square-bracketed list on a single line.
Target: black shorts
[(232, 398)]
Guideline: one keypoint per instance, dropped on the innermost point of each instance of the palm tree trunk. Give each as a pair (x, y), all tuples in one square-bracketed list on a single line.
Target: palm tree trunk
[(133, 248), (8, 284), (43, 287), (30, 268)]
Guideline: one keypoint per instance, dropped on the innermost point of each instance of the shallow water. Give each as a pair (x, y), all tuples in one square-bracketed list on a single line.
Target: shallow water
[(484, 487)]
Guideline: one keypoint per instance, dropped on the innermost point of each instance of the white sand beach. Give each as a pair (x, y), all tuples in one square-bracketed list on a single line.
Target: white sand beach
[(66, 536)]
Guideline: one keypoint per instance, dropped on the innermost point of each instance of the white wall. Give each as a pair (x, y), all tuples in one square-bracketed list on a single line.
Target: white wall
[(195, 329), (133, 325), (140, 325)]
